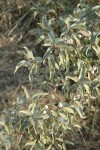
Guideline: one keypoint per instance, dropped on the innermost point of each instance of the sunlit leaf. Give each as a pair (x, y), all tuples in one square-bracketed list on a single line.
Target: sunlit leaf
[(64, 146), (52, 11), (78, 108), (21, 64), (26, 112), (46, 55), (26, 92), (69, 110), (96, 7), (72, 78), (93, 38), (87, 88), (85, 33), (39, 94), (50, 146), (29, 54), (31, 143), (40, 39), (97, 50)]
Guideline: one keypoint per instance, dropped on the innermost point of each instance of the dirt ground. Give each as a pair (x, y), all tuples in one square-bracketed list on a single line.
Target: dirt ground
[(13, 36)]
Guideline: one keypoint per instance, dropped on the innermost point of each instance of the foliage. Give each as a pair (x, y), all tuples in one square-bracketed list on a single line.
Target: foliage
[(70, 62)]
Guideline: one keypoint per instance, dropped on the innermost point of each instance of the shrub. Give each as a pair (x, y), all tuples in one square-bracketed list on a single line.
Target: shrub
[(70, 63)]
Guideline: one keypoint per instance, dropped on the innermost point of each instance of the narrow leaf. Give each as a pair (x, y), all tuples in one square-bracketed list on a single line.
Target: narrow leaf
[(20, 64), (26, 112), (32, 143)]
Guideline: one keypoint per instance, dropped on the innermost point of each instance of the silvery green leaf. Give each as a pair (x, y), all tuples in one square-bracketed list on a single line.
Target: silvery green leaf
[(45, 30), (59, 146), (48, 2), (69, 142), (87, 88), (26, 92), (36, 13), (40, 39), (2, 123), (80, 112), (38, 59), (43, 139), (79, 109), (30, 76), (53, 132), (45, 22), (66, 20), (77, 125), (97, 50), (79, 26), (51, 21), (34, 123), (93, 38), (32, 106), (96, 7), (82, 73), (59, 139), (5, 126), (52, 11), (35, 31), (31, 143), (31, 69), (79, 64), (46, 55), (98, 90), (25, 123), (21, 64), (26, 112), (29, 53), (52, 36), (49, 147), (72, 89), (85, 80), (63, 116), (72, 78), (76, 39), (40, 145), (69, 110), (39, 94), (59, 41), (48, 44), (61, 62), (64, 146), (54, 113)]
